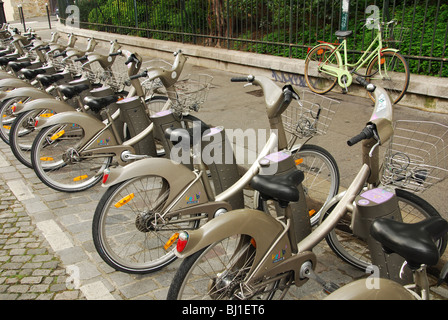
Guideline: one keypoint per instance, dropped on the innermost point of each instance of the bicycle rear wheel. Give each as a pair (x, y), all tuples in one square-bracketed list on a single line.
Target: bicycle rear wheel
[(7, 117), (391, 72), (317, 80), (127, 230), (355, 251), (22, 135), (58, 164)]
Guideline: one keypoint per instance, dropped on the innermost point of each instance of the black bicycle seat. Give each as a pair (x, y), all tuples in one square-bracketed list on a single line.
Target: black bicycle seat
[(414, 242), (69, 91), (16, 66), (32, 73), (47, 80), (5, 60), (343, 34), (282, 187), (96, 104)]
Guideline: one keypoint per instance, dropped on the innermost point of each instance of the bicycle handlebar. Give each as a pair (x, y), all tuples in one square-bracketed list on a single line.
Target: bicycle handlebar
[(243, 79), (369, 86), (139, 75), (119, 52), (366, 133), (83, 58)]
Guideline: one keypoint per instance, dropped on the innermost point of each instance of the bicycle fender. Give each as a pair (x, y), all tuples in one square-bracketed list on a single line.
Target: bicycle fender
[(177, 175), (28, 92), (263, 228), (389, 50), (13, 83), (372, 288), (45, 103)]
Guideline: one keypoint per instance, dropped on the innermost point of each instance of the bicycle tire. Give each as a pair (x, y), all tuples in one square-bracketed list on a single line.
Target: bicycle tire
[(396, 85), (321, 181), (22, 135), (56, 163), (355, 252), (7, 117), (123, 234), (323, 83), (213, 274)]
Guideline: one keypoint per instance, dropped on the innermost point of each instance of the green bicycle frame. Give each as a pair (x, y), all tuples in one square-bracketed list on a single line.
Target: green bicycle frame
[(342, 71)]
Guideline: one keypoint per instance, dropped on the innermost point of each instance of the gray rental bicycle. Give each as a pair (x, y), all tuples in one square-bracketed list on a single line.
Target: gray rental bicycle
[(248, 254)]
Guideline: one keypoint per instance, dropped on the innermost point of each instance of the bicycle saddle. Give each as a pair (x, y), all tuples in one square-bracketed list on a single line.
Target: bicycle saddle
[(32, 73), (414, 242), (69, 91), (50, 79), (16, 66), (343, 34), (181, 135), (96, 104), (5, 60), (281, 188)]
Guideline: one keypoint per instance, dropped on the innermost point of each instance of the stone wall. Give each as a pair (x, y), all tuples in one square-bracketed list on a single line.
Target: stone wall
[(31, 8)]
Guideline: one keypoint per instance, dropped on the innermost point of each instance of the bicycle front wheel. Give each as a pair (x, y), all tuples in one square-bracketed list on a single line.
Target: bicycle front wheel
[(218, 272), (58, 164), (391, 72), (128, 231), (355, 251), (318, 80)]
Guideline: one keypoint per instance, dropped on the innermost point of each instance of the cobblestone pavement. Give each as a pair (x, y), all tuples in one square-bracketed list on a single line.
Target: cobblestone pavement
[(30, 269)]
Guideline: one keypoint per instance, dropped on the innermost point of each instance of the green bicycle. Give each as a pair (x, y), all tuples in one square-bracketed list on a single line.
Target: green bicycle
[(386, 67)]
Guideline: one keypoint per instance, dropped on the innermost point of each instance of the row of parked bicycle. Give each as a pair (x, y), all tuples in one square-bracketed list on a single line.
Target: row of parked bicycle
[(78, 117)]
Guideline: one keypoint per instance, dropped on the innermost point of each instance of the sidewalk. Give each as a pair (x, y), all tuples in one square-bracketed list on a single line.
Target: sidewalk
[(46, 245)]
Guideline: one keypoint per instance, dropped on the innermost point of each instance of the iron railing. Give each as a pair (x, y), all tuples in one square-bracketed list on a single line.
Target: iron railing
[(276, 27)]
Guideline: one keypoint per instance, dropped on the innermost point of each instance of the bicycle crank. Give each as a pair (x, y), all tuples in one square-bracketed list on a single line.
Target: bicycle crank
[(306, 271)]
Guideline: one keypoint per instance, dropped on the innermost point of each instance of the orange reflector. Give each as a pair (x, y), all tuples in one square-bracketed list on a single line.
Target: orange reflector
[(125, 200), (80, 178), (7, 127), (311, 212), (298, 161), (171, 240), (320, 51), (46, 115), (46, 159), (382, 61), (57, 135), (253, 243)]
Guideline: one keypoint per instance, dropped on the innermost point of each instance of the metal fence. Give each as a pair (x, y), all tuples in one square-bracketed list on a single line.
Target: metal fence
[(276, 27)]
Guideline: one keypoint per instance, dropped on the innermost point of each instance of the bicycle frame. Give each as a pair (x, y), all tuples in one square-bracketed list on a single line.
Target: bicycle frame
[(296, 251)]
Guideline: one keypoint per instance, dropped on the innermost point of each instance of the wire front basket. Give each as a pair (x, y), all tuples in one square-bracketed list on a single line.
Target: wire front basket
[(394, 34), (417, 156), (187, 94), (311, 116), (191, 92)]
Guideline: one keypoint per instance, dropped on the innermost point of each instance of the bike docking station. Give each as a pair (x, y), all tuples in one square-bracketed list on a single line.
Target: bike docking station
[(370, 206)]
